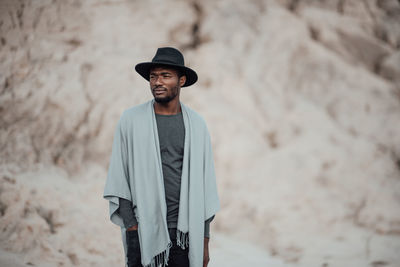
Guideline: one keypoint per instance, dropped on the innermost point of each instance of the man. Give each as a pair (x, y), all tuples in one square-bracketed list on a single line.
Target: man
[(161, 182)]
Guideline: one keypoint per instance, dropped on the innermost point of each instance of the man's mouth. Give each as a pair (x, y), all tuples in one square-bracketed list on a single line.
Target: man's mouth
[(159, 91)]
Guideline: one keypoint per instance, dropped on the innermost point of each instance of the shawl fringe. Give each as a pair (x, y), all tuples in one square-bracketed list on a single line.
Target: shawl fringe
[(182, 239), (160, 259)]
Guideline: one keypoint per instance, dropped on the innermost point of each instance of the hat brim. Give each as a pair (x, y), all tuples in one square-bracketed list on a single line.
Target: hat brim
[(144, 70)]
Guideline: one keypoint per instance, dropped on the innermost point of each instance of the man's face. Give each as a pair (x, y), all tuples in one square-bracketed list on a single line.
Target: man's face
[(165, 84)]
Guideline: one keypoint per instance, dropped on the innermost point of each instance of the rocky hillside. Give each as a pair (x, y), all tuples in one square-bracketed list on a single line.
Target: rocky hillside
[(302, 99)]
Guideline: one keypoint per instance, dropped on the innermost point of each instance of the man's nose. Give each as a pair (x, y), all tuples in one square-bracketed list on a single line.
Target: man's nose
[(158, 80)]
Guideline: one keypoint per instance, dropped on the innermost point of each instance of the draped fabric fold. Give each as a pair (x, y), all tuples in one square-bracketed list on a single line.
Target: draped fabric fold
[(135, 173)]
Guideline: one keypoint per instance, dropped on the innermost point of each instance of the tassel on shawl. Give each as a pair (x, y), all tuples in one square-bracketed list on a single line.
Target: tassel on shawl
[(160, 259), (182, 239)]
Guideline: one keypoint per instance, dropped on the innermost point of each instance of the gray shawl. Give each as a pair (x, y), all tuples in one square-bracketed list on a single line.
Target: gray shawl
[(135, 173)]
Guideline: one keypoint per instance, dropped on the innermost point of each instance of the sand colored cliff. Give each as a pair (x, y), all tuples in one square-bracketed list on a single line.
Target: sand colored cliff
[(302, 100)]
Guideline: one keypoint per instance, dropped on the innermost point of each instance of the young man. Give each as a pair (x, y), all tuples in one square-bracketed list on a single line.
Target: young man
[(161, 182)]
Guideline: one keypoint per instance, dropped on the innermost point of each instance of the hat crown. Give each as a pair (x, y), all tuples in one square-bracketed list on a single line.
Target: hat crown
[(168, 55)]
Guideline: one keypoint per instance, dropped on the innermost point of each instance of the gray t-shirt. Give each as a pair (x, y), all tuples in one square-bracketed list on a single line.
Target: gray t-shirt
[(171, 134)]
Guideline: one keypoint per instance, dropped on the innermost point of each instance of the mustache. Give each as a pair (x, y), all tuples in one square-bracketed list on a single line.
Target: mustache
[(158, 87)]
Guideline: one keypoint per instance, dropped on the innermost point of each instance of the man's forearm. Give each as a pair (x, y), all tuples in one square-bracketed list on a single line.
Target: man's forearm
[(126, 212), (206, 257)]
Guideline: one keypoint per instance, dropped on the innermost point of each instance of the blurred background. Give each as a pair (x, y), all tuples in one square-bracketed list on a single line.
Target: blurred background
[(301, 97)]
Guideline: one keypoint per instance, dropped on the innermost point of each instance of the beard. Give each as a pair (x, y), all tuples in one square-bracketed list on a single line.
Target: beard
[(167, 98)]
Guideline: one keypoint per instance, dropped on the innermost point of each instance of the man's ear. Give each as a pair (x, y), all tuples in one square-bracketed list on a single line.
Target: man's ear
[(182, 80)]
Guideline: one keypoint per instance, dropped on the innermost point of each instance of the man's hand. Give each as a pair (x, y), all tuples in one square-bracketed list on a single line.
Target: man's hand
[(206, 257), (133, 228)]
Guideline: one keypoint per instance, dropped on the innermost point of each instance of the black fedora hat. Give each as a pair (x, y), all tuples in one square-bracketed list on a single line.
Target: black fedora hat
[(170, 57)]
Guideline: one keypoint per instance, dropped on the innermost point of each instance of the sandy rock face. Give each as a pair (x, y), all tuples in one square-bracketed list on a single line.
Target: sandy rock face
[(302, 99)]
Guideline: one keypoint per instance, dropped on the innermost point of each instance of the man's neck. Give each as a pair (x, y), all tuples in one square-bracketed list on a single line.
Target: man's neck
[(170, 108)]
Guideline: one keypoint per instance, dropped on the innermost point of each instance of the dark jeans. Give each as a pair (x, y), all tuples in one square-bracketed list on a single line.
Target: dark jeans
[(177, 257)]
